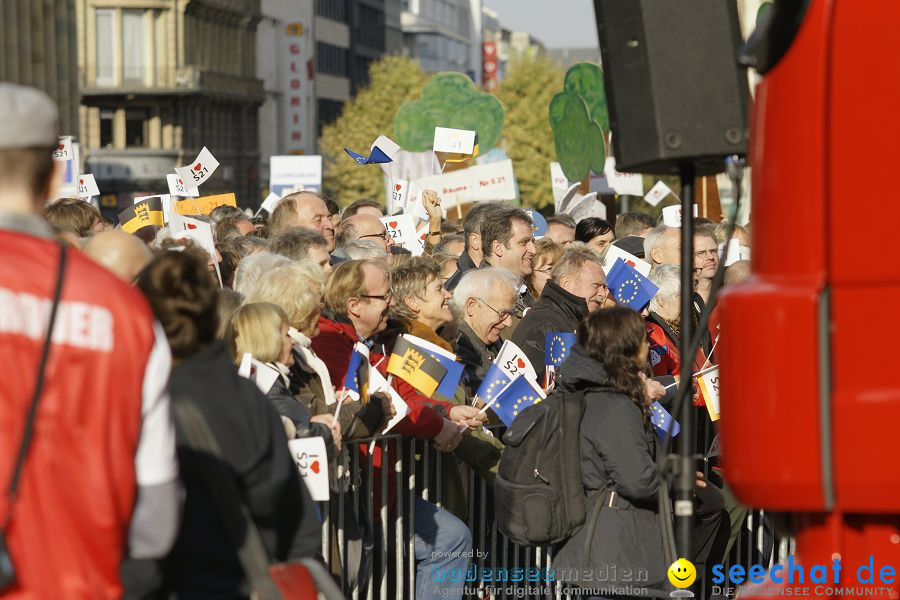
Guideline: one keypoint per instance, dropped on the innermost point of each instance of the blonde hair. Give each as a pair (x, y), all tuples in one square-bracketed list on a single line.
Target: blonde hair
[(296, 288), (256, 328), (346, 281)]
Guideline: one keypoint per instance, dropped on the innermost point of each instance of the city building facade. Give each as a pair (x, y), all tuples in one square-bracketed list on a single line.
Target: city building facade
[(161, 79), (444, 35)]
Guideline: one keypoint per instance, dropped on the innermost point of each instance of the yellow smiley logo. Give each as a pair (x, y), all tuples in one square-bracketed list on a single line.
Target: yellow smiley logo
[(682, 573)]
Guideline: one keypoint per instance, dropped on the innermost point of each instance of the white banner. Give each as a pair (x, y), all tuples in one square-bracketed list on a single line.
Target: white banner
[(298, 94), (289, 172), (490, 181), (616, 182)]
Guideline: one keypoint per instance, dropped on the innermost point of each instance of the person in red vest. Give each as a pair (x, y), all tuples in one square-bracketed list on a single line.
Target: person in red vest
[(99, 478)]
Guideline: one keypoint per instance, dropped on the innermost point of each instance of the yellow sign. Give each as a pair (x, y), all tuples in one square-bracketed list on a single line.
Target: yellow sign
[(294, 29), (204, 205)]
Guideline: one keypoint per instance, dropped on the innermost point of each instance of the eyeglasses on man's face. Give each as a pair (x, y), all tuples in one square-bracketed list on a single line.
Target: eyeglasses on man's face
[(502, 315)]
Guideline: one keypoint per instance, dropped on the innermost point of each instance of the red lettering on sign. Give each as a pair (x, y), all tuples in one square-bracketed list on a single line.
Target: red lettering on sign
[(295, 84), (294, 48), (295, 100), (295, 136)]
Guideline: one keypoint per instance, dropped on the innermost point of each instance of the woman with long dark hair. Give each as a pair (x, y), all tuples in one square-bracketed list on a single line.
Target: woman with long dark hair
[(620, 542)]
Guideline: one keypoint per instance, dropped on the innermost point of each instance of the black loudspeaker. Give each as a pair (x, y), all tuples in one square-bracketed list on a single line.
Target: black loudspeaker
[(675, 91)]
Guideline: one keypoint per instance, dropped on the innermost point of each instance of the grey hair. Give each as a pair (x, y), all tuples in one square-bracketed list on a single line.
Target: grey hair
[(572, 261), (250, 268), (654, 239), (358, 249), (476, 282), (668, 279)]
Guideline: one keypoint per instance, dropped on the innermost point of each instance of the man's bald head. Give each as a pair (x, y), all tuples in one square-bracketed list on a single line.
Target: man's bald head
[(363, 226), (303, 209), (123, 254)]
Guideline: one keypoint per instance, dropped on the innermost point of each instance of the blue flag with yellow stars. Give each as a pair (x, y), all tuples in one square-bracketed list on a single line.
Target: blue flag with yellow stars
[(517, 396), (660, 419), (492, 384), (357, 378), (377, 156), (557, 346), (628, 287)]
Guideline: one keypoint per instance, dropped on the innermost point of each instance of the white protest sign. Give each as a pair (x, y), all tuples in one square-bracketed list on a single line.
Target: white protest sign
[(165, 199), (672, 215), (614, 253), (616, 182), (657, 193), (269, 203), (312, 461), (733, 252), (199, 232), (399, 194), (513, 362), (258, 372), (558, 184), (457, 141), (178, 189), (246, 365), (708, 380), (201, 169), (490, 181), (63, 151), (586, 206), (87, 186), (377, 383), (402, 230), (289, 172), (386, 145)]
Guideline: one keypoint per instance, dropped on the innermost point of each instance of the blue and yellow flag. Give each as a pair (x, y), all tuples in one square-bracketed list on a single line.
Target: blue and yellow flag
[(628, 287), (357, 378), (518, 395), (377, 156), (492, 384), (660, 419), (557, 346)]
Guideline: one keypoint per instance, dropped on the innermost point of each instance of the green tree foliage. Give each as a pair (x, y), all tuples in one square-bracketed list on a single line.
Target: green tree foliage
[(526, 89), (449, 99), (580, 121), (392, 81)]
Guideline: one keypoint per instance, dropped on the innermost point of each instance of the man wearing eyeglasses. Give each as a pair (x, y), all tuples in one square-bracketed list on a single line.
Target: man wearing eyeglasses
[(363, 226), (485, 299), (577, 287)]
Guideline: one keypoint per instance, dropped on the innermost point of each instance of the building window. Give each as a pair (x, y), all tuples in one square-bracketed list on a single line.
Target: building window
[(107, 117), (106, 47), (136, 128), (331, 60), (336, 10), (125, 46), (134, 31), (329, 111)]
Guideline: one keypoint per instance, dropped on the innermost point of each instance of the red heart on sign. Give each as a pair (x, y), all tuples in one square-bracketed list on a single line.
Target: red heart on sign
[(521, 363), (630, 263), (423, 236), (393, 224), (61, 147), (81, 181), (198, 166), (191, 226), (180, 182), (397, 187), (314, 467)]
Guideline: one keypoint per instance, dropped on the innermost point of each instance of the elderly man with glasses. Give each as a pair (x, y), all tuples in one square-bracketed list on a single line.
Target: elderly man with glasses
[(364, 226), (484, 302)]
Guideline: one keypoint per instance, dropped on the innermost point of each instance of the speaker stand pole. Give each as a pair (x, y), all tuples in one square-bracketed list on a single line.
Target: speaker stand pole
[(685, 473)]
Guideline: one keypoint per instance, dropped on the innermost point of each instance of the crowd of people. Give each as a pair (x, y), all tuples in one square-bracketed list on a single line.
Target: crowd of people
[(143, 332)]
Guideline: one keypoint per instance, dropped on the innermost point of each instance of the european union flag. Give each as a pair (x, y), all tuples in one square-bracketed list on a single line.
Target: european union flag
[(492, 384), (376, 157), (557, 346), (660, 419), (517, 396), (357, 378), (447, 388), (628, 287)]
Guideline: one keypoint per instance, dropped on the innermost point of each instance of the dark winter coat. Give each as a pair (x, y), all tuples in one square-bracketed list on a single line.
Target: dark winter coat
[(556, 310), (621, 481), (475, 355)]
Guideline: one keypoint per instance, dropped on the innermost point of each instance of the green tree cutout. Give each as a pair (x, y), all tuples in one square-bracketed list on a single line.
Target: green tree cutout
[(580, 122), (449, 99)]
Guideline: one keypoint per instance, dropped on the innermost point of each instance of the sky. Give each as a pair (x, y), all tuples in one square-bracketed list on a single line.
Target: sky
[(556, 23)]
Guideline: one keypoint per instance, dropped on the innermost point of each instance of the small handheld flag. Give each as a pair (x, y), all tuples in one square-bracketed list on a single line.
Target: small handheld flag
[(144, 213), (628, 287), (557, 346), (660, 419), (415, 366), (376, 156), (515, 398), (492, 384), (356, 381)]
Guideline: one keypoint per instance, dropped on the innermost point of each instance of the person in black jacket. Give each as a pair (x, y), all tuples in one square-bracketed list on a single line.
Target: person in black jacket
[(204, 562), (576, 288)]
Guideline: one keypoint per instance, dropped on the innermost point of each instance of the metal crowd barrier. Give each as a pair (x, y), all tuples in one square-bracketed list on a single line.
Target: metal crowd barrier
[(374, 557)]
